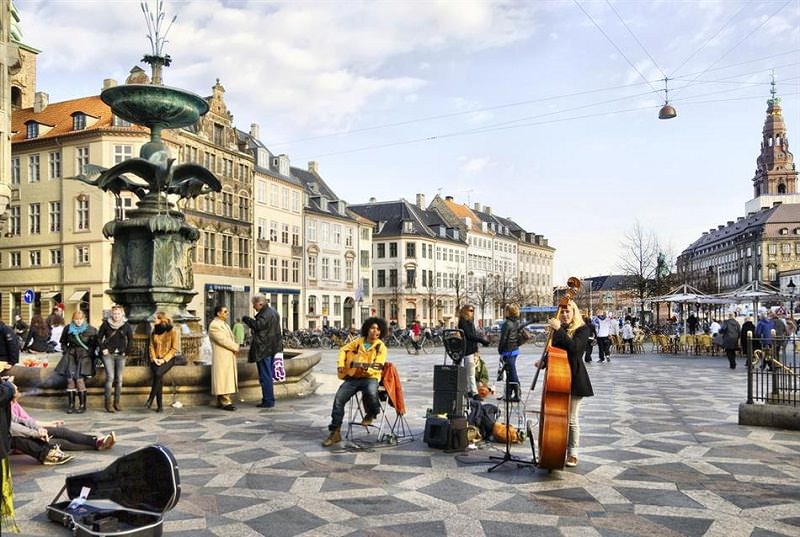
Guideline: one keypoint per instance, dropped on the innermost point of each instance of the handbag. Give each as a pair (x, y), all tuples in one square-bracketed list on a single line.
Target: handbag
[(179, 359)]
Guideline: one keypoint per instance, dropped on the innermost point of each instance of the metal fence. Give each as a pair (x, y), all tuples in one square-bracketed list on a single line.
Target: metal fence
[(773, 371)]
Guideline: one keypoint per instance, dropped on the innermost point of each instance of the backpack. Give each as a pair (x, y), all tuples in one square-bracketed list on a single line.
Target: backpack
[(483, 416)]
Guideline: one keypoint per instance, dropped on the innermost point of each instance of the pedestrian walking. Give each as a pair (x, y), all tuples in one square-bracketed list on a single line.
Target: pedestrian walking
[(604, 326), (267, 342), (224, 376), (587, 356), (730, 332)]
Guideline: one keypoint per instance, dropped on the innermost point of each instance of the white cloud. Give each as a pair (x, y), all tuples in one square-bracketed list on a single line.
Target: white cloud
[(474, 166)]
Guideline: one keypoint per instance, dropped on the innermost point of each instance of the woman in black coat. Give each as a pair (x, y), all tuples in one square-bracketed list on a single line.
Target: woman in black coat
[(730, 338), (748, 326), (78, 341), (471, 336), (571, 334)]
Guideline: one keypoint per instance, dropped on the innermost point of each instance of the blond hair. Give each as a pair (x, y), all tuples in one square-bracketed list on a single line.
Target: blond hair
[(512, 310), (577, 318), (164, 317)]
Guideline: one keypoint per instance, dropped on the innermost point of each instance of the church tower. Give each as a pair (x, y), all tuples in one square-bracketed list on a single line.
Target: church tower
[(775, 178)]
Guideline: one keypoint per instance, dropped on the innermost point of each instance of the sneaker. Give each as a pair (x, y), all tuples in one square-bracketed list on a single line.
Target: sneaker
[(334, 438), (107, 441), (367, 421), (572, 461), (55, 456)]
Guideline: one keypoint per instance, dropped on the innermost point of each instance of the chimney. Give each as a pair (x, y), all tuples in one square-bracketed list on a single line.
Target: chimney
[(373, 199), (40, 101), (730, 222), (313, 166), (476, 206), (109, 83), (421, 201), (254, 130), (448, 198), (487, 210)]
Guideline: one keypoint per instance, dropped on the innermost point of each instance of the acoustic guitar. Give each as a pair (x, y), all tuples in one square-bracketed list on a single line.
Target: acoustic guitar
[(355, 369)]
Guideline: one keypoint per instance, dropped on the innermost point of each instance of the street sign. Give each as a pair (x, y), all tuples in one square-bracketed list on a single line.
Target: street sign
[(28, 296)]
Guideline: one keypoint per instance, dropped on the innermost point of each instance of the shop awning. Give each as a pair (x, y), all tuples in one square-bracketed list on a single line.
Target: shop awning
[(77, 296), (227, 287), (275, 291), (50, 294)]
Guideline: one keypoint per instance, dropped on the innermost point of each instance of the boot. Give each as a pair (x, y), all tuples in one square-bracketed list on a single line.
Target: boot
[(150, 399), (70, 402), (334, 438), (116, 402), (159, 403), (108, 405), (82, 397)]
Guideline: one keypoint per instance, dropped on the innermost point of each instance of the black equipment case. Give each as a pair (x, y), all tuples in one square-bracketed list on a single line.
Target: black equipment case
[(129, 497)]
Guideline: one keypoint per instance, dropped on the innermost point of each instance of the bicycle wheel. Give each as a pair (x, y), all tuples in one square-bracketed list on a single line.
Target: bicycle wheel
[(428, 346)]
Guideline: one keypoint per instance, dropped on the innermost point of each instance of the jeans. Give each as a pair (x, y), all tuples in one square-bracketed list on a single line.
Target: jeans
[(368, 387), (157, 387), (511, 369), (114, 364), (574, 441), (469, 363), (68, 441), (265, 368)]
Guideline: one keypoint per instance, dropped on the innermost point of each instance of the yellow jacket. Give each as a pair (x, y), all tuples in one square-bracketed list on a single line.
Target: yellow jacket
[(164, 346), (376, 354)]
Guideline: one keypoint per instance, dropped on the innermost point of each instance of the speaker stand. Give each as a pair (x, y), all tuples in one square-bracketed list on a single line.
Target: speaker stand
[(507, 456)]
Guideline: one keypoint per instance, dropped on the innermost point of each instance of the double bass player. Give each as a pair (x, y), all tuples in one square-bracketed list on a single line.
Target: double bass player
[(571, 334)]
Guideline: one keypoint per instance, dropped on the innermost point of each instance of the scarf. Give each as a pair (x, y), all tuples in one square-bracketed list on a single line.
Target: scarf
[(161, 328), (77, 330), (7, 501), (116, 326)]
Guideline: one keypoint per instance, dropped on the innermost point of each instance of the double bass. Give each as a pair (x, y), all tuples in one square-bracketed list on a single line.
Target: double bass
[(554, 414)]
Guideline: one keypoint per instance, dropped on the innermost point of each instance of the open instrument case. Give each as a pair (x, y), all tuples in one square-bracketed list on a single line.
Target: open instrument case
[(129, 497)]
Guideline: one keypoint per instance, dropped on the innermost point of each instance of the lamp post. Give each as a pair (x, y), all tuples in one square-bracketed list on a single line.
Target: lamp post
[(791, 287)]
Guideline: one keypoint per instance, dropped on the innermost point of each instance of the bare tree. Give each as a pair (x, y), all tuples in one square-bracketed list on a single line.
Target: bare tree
[(459, 285), (639, 261), (505, 289), (483, 295)]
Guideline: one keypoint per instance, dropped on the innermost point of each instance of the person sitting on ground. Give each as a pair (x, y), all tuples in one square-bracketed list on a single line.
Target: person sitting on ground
[(482, 378), (47, 441), (371, 353), (38, 338)]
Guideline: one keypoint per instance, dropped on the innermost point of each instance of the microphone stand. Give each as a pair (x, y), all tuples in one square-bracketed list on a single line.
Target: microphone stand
[(507, 457)]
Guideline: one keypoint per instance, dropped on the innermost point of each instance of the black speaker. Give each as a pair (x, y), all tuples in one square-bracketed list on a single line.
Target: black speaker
[(458, 434), (448, 402), (449, 378), (437, 432)]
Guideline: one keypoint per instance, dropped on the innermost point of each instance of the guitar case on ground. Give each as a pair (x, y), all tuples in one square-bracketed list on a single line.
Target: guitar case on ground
[(129, 497)]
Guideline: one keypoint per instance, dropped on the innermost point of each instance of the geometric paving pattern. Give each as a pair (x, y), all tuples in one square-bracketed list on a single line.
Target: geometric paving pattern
[(662, 455)]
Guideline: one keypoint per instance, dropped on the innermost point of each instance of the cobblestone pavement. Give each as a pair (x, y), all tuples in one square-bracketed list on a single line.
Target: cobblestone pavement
[(661, 454)]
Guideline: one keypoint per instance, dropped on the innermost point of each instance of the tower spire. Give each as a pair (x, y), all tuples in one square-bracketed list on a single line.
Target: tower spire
[(775, 169)]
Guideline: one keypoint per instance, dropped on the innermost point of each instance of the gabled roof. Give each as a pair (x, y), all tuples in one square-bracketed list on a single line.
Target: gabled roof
[(390, 216), (317, 189), (59, 116), (612, 282), (461, 212)]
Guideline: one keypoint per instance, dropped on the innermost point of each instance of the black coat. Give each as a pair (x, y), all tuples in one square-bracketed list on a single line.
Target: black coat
[(267, 335), (78, 360), (509, 337), (9, 345), (575, 347), (472, 337), (7, 392), (117, 341), (748, 326), (730, 334)]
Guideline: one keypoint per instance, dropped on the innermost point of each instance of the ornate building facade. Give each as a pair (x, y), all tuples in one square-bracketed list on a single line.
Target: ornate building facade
[(765, 243)]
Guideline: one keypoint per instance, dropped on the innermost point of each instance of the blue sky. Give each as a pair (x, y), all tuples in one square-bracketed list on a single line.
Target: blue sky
[(544, 111)]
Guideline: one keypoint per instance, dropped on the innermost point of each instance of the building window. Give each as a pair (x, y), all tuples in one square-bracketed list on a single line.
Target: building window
[(326, 304), (364, 254), (121, 207), (326, 268), (32, 130), (34, 219), (14, 220), (273, 269), (337, 305), (285, 199), (227, 204), (82, 213), (81, 159), (122, 153), (261, 228), (381, 278), (54, 216), (209, 248), (772, 249), (393, 310), (365, 286), (348, 238), (337, 270), (15, 173), (295, 271), (244, 252), (411, 276), (772, 274), (348, 270), (262, 267), (227, 250), (78, 121), (411, 249), (218, 134), (273, 200), (55, 256), (34, 172), (312, 267), (284, 270), (392, 249), (312, 304), (54, 161), (15, 259), (295, 202), (311, 231), (381, 250), (273, 231), (285, 233), (117, 121), (261, 191), (295, 235), (786, 248), (382, 308), (82, 255), (244, 208), (393, 278), (364, 234), (337, 234), (36, 258), (324, 232)]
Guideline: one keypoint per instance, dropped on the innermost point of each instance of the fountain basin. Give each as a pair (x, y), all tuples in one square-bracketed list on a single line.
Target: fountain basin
[(149, 105)]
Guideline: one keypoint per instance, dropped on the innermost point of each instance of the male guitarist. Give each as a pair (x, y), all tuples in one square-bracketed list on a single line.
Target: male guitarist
[(360, 365)]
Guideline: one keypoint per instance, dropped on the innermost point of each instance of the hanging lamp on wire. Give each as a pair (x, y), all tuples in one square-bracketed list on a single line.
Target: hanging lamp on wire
[(667, 111)]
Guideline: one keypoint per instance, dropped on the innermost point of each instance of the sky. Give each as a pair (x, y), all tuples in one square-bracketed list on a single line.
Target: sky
[(545, 111)]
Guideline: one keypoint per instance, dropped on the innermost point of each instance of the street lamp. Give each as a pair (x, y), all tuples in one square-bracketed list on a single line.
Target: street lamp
[(791, 287)]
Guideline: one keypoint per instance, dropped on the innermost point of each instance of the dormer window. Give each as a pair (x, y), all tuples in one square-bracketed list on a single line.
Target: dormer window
[(32, 129), (408, 226), (117, 122), (784, 231), (78, 121)]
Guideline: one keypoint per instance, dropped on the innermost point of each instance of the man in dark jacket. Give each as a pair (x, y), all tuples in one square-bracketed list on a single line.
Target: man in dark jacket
[(267, 342), (9, 345)]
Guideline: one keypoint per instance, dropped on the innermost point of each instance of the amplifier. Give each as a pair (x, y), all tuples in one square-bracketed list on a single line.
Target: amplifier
[(437, 432), (449, 378), (447, 402)]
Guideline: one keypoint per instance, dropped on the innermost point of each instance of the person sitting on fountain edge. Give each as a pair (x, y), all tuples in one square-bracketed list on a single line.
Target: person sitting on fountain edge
[(370, 351)]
